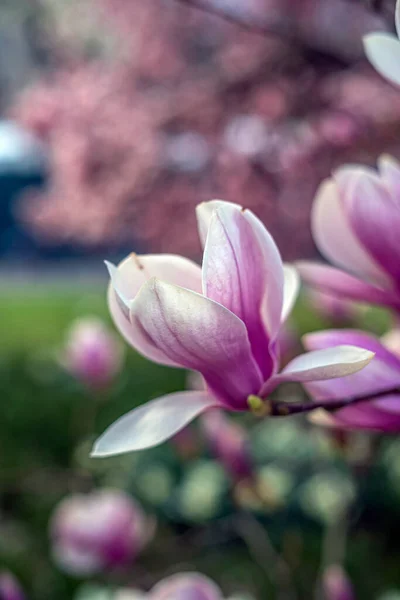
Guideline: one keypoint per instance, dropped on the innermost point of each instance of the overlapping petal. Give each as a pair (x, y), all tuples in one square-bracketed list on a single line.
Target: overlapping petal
[(243, 271), (128, 278), (204, 212), (153, 423), (199, 334), (337, 240), (373, 215)]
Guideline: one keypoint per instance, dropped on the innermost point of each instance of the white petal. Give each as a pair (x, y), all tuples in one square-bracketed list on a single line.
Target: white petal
[(383, 52), (329, 363), (397, 18), (153, 423), (336, 239), (130, 276), (291, 287), (135, 270), (204, 212)]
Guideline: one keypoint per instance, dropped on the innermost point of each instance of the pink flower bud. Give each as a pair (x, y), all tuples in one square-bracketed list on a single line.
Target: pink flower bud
[(336, 585), (98, 531), (92, 353), (10, 588), (228, 442)]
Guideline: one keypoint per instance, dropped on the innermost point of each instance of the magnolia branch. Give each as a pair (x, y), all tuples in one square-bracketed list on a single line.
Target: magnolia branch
[(277, 408)]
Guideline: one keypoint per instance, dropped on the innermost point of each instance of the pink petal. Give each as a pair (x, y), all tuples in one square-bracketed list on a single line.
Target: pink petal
[(199, 334), (383, 373), (336, 238), (291, 288), (242, 270), (366, 415), (204, 212), (134, 335), (128, 278), (333, 281), (329, 363), (373, 214), (153, 423), (186, 586), (383, 52), (360, 416)]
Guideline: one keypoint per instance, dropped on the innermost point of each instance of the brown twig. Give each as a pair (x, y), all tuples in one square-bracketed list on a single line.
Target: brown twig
[(277, 408)]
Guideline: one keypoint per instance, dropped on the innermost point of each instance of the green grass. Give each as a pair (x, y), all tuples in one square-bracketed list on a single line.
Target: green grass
[(36, 318)]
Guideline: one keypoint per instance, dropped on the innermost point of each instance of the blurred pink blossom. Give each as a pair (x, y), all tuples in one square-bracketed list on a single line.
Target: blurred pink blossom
[(92, 353), (355, 222), (336, 584), (381, 379), (10, 589), (186, 105), (98, 531), (186, 586)]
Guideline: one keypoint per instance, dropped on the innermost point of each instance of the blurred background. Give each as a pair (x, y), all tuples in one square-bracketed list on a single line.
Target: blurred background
[(117, 118)]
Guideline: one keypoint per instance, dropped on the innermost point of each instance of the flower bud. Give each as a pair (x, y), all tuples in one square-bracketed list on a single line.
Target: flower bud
[(98, 531), (92, 353)]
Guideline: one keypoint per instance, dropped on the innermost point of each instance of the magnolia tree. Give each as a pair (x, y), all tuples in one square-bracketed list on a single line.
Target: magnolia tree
[(166, 104)]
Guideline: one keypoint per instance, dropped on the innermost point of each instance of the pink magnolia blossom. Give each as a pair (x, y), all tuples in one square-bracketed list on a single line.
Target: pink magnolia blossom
[(383, 51), (98, 531), (228, 442), (222, 320), (336, 584), (186, 586), (92, 353), (9, 587), (355, 223), (382, 374)]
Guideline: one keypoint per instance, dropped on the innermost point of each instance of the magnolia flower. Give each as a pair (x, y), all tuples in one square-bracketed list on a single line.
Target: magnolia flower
[(336, 584), (356, 224), (186, 586), (100, 530), (92, 354), (228, 442), (383, 51), (382, 374), (9, 587), (222, 320)]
